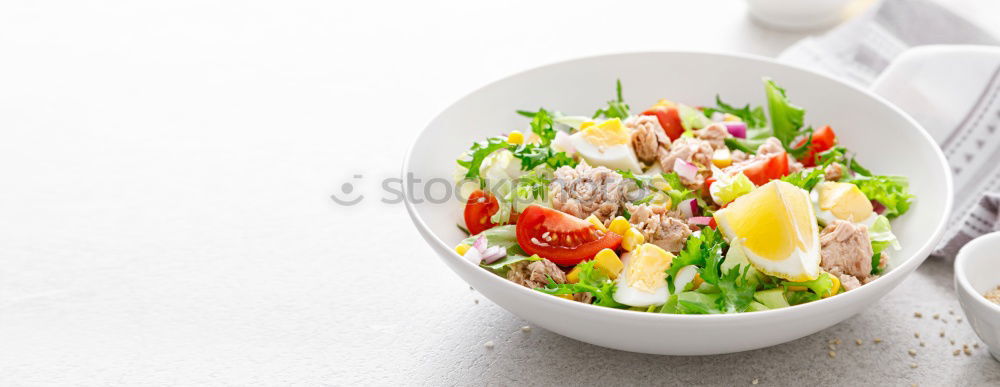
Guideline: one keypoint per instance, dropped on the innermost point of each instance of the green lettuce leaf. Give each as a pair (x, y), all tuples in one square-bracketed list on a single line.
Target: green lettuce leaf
[(753, 117), (892, 191), (617, 108), (591, 280)]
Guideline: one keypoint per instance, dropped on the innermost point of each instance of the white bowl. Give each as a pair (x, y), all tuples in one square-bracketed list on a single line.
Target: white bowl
[(886, 140), (977, 270)]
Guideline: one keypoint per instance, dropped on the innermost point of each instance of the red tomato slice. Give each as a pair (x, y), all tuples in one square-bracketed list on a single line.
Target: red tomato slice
[(822, 140), (478, 210), (560, 237), (763, 171), (670, 120)]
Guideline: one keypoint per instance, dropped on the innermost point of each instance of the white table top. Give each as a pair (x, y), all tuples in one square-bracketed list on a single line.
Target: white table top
[(165, 219)]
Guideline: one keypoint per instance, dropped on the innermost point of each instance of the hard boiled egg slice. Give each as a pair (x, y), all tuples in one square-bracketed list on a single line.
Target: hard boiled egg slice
[(606, 144), (643, 280), (844, 201), (777, 228)]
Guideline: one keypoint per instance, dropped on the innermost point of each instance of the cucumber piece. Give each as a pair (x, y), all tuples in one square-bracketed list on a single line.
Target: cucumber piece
[(773, 298), (698, 303), (757, 307)]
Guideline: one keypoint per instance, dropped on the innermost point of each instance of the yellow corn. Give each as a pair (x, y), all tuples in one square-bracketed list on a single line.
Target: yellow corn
[(462, 248), (585, 124), (607, 261), (515, 137), (597, 223), (574, 275), (722, 158), (731, 118), (632, 239), (619, 226), (566, 296), (835, 288), (664, 103)]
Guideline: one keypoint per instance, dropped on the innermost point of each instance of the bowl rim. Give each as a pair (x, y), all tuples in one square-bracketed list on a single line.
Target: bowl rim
[(961, 266), (815, 306)]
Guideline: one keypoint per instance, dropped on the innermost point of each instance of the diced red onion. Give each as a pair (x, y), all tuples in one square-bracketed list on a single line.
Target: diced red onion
[(474, 256), (480, 244), (686, 209), (685, 170), (695, 210), (737, 129), (699, 220), (878, 207), (494, 253)]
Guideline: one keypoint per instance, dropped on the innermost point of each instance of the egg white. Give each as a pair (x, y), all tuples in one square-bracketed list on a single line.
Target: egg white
[(614, 156), (636, 297)]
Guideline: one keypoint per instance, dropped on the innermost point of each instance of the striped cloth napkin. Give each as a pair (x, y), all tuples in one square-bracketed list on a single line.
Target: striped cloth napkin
[(961, 110)]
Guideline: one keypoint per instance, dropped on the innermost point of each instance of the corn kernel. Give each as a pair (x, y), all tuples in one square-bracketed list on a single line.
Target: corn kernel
[(664, 104), (660, 183), (585, 124), (632, 239), (462, 248), (566, 296), (597, 223), (515, 137), (697, 281), (835, 288), (619, 226), (607, 261), (722, 158), (574, 275), (731, 118)]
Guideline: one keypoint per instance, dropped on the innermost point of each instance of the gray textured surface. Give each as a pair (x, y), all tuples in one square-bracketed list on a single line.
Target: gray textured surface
[(164, 216)]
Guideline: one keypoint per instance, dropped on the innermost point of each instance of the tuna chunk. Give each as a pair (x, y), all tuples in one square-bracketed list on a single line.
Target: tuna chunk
[(535, 274), (659, 227), (714, 134), (692, 150), (586, 190), (648, 139), (833, 172), (846, 251)]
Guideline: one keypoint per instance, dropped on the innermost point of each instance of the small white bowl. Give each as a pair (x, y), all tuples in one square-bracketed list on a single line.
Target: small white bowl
[(977, 270)]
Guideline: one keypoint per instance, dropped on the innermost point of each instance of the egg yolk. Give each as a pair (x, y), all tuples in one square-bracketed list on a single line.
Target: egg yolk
[(845, 201), (645, 270), (607, 133)]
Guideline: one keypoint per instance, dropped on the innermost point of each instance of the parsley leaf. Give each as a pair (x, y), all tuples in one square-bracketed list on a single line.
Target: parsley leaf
[(531, 155), (806, 178), (736, 289), (541, 124), (754, 118), (698, 250), (591, 280), (617, 108)]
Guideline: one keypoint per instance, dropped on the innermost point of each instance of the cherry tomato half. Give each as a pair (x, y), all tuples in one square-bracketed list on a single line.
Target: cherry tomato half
[(822, 140), (478, 211), (560, 237), (670, 120)]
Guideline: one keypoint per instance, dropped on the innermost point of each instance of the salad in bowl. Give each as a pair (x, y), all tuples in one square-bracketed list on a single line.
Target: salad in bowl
[(678, 209)]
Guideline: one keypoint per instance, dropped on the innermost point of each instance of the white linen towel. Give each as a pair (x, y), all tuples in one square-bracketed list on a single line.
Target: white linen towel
[(961, 109)]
